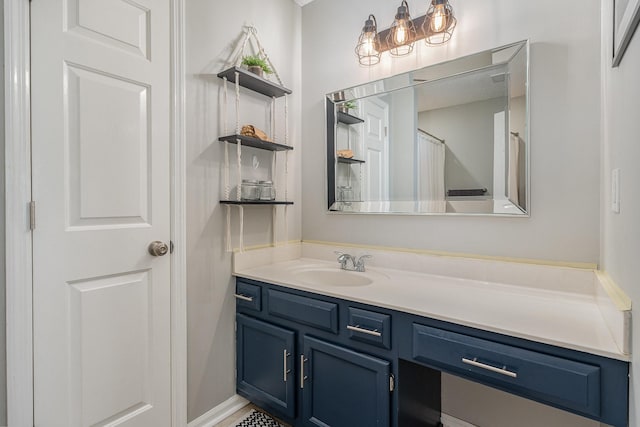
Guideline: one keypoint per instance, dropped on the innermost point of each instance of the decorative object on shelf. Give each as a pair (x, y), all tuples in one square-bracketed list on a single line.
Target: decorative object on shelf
[(256, 65), (347, 154), (626, 19), (267, 192), (250, 130), (346, 106), (402, 32), (251, 192), (435, 27), (368, 45), (345, 193)]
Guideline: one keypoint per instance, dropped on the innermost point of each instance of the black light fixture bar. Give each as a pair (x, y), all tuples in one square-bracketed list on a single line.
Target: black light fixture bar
[(419, 35)]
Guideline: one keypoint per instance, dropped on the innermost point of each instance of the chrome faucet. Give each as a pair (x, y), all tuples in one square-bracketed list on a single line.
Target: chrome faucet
[(356, 265)]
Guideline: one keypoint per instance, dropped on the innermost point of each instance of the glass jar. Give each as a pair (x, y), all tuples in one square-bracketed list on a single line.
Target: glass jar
[(267, 192), (345, 193), (250, 190)]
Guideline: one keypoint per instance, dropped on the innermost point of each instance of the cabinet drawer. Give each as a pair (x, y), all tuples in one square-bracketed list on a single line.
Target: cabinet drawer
[(563, 382), (248, 296), (310, 311), (370, 327)]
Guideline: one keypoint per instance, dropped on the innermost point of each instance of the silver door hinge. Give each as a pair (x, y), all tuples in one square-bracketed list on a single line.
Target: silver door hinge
[(392, 382), (32, 215)]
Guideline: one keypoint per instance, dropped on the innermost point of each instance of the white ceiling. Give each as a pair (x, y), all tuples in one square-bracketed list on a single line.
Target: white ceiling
[(303, 2)]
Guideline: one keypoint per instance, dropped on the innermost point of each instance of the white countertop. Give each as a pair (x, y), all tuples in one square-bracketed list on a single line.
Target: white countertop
[(566, 319)]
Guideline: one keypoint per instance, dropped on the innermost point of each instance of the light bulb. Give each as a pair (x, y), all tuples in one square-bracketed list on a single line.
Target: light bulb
[(367, 45), (400, 35), (439, 19)]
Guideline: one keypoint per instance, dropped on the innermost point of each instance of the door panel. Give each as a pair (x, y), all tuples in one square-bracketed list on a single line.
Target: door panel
[(264, 353), (109, 182), (344, 388), (119, 23), (96, 332), (101, 182)]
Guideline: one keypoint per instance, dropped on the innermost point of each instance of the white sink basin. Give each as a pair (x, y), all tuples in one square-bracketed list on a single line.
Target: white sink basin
[(332, 277)]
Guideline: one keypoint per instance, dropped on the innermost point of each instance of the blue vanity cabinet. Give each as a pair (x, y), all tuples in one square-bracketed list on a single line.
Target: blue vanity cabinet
[(316, 360), (342, 387), (297, 359), (265, 365)]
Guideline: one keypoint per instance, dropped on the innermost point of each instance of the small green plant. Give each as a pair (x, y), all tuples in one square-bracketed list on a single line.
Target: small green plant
[(350, 105), (256, 61)]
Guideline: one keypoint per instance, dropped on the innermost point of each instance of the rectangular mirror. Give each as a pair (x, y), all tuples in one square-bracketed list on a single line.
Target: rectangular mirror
[(450, 138)]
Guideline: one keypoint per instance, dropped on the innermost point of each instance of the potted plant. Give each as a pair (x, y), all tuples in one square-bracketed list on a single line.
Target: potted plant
[(256, 65), (346, 106)]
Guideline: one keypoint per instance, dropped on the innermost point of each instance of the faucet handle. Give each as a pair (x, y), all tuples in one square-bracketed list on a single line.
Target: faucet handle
[(342, 259), (359, 265)]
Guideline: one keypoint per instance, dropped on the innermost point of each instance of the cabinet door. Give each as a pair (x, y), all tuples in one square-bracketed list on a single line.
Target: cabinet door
[(343, 388), (265, 364)]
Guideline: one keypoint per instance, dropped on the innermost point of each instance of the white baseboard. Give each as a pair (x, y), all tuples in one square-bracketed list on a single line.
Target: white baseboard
[(449, 421), (220, 412)]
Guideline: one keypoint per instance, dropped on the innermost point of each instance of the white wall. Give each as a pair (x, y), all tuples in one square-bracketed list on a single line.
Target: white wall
[(565, 112), (213, 28), (469, 148), (621, 150)]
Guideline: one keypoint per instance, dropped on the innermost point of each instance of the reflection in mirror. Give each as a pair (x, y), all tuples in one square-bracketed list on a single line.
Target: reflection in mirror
[(451, 138)]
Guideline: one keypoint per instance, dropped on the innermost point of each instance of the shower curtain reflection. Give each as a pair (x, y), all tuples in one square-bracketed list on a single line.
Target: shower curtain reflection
[(430, 173)]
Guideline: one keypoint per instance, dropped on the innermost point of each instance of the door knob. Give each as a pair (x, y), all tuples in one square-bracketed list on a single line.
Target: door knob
[(158, 248)]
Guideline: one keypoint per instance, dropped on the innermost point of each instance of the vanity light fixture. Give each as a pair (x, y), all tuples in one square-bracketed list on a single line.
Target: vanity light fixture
[(402, 32), (439, 23), (436, 28), (368, 47)]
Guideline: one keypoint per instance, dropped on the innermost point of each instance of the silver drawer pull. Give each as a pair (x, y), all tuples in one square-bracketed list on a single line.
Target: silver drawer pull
[(302, 375), (503, 370), (243, 297), (357, 328), (285, 369)]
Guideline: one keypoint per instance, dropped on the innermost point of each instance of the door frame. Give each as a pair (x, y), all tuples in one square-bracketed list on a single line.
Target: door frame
[(19, 261)]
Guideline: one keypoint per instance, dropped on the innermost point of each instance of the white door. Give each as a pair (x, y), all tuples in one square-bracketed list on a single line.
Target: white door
[(376, 148), (100, 130)]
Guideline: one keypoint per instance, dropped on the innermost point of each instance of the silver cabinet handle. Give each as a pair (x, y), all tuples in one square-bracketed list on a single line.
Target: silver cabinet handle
[(503, 370), (243, 297), (302, 375), (285, 370), (357, 328)]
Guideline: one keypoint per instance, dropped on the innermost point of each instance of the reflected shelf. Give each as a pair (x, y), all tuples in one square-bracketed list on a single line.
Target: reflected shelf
[(348, 119), (349, 161)]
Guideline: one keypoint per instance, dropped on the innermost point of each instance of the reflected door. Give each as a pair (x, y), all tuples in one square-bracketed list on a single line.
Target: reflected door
[(376, 149), (100, 86)]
